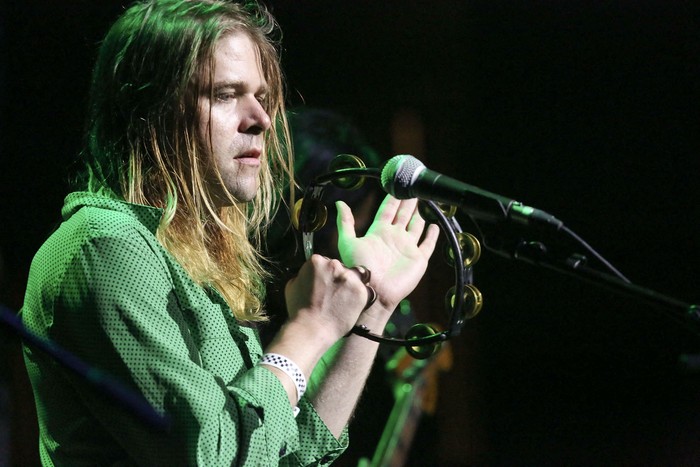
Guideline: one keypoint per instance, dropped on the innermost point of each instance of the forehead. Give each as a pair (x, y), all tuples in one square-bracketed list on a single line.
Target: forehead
[(237, 58)]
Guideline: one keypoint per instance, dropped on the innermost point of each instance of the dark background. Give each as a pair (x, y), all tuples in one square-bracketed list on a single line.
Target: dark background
[(586, 109)]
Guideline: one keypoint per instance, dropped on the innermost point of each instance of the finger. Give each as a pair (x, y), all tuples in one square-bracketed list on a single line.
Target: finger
[(352, 274), (405, 211), (364, 273), (327, 269), (289, 285), (322, 265), (387, 210), (350, 278), (336, 266), (317, 260), (427, 246), (417, 224), (345, 222)]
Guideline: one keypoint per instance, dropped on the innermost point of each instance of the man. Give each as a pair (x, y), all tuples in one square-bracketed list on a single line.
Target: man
[(154, 275)]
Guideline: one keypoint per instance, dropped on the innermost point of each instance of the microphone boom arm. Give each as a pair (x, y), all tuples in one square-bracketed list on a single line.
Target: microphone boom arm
[(575, 265)]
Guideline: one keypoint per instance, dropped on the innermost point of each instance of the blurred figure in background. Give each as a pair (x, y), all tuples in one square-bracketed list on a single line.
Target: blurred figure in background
[(319, 135)]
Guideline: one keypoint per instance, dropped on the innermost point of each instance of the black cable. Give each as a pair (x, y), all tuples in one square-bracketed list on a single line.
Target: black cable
[(600, 258)]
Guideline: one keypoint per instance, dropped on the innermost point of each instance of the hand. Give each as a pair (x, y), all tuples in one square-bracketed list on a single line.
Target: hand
[(326, 296), (391, 249)]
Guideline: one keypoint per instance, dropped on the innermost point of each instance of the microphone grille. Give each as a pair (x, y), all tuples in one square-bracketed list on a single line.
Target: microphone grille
[(397, 175)]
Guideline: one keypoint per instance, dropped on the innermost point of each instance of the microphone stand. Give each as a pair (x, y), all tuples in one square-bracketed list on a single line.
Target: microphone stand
[(576, 265), (97, 378)]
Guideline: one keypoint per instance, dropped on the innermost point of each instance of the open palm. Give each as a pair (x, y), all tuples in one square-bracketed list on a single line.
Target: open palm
[(391, 249)]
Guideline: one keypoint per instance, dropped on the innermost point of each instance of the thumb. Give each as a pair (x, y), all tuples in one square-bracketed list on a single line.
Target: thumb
[(346, 222), (288, 287)]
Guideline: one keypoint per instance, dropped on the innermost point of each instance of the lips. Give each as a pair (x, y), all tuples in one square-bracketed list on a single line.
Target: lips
[(251, 157), (250, 154)]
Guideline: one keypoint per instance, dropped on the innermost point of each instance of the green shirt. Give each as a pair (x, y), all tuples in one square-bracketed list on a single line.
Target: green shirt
[(104, 288)]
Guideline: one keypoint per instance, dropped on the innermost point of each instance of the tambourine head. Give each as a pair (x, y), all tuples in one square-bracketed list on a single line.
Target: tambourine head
[(347, 161), (421, 352)]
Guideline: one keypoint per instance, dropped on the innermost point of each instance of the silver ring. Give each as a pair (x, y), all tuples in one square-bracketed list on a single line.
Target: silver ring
[(365, 274), (371, 297)]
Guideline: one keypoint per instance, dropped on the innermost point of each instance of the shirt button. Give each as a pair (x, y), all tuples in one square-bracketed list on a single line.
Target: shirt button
[(283, 450), (326, 460)]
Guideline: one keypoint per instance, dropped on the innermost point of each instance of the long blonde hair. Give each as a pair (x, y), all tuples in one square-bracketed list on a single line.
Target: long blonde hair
[(143, 144)]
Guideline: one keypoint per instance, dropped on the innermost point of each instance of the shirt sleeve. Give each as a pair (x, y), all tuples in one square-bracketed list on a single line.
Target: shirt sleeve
[(117, 309)]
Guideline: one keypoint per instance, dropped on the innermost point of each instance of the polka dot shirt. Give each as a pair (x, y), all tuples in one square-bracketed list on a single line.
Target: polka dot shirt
[(104, 288)]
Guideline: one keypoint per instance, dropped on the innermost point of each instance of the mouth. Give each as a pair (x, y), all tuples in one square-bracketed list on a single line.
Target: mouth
[(250, 157)]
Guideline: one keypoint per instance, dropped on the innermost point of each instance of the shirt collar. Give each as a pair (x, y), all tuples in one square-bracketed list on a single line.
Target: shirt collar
[(147, 215)]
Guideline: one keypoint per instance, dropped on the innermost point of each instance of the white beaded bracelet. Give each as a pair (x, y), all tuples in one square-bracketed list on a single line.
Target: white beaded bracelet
[(289, 367)]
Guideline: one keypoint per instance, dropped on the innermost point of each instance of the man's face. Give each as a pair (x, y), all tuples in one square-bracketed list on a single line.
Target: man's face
[(233, 121)]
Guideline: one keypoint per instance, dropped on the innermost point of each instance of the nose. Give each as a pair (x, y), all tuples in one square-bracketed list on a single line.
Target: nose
[(255, 120)]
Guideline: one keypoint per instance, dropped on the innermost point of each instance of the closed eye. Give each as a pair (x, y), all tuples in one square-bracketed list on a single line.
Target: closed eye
[(225, 96)]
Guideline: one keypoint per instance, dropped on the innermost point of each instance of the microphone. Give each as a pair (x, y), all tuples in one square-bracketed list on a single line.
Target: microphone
[(406, 177)]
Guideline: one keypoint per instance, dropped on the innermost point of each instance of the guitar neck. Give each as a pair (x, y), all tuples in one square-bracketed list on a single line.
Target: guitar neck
[(400, 428)]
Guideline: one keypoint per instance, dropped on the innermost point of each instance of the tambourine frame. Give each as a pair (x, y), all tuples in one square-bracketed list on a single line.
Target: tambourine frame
[(314, 193)]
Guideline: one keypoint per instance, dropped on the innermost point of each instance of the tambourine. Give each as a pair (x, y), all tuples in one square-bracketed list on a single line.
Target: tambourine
[(463, 301)]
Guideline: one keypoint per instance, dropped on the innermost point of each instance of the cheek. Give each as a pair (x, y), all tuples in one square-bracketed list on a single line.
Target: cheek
[(215, 125), (219, 140), (212, 135), (221, 128)]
